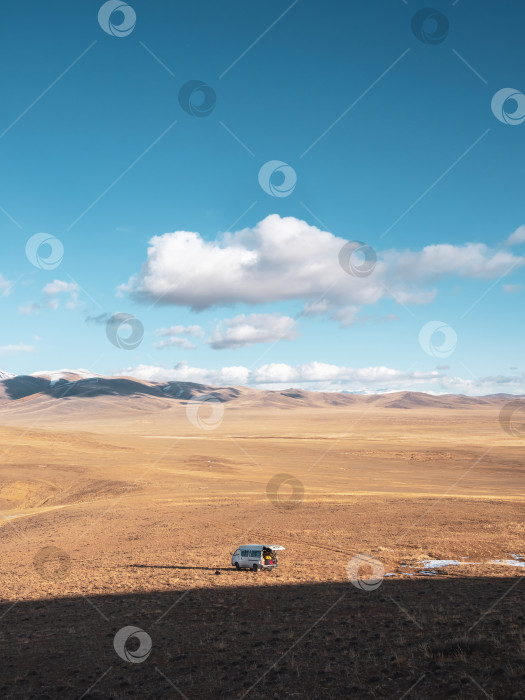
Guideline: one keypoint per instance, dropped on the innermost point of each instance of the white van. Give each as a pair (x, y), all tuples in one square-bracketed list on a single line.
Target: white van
[(256, 556)]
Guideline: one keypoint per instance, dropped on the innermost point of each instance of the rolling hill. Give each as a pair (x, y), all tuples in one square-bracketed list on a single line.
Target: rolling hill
[(79, 391)]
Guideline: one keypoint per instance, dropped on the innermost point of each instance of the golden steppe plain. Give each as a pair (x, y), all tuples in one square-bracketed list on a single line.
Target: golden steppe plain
[(144, 509)]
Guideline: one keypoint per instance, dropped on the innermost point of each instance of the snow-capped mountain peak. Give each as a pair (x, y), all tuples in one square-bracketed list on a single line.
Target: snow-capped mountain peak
[(55, 375)]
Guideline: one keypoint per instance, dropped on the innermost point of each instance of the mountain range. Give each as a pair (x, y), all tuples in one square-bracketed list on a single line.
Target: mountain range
[(80, 389)]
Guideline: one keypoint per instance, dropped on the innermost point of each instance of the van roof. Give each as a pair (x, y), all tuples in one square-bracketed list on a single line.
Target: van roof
[(260, 546)]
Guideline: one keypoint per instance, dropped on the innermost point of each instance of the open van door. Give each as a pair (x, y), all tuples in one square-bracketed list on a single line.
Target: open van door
[(256, 556)]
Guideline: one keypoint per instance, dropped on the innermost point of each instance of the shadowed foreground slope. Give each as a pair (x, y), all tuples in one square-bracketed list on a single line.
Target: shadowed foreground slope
[(405, 639)]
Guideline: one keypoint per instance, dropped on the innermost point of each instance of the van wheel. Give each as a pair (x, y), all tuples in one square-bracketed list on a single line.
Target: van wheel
[(255, 568), (237, 566)]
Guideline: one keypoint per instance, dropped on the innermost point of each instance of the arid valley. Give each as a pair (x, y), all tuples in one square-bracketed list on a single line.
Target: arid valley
[(123, 501)]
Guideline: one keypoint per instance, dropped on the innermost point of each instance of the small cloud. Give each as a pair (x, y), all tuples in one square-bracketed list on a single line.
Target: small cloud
[(512, 288), (30, 308), (517, 237), (173, 339), (178, 342), (117, 318), (317, 308), (242, 330), (102, 318), (51, 298), (53, 290), (16, 349), (5, 286), (347, 316), (58, 287), (442, 366), (122, 229), (195, 331), (107, 319)]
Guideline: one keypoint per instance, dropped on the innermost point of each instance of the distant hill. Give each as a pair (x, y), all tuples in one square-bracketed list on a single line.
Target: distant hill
[(68, 391)]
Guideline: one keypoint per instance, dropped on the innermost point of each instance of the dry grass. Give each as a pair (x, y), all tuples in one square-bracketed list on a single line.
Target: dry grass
[(149, 508)]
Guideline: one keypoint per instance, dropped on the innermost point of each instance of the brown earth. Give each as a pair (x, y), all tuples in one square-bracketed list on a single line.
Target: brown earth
[(143, 509)]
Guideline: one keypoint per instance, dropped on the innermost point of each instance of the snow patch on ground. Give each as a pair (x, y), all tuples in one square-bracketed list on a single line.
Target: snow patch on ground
[(440, 563), (430, 564), (507, 562)]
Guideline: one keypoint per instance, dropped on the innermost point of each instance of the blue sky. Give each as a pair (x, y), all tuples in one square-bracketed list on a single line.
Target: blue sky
[(391, 141)]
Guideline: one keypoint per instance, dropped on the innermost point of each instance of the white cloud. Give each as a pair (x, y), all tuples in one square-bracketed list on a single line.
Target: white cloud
[(59, 286), (177, 342), (347, 315), (471, 260), (173, 339), (182, 372), (30, 308), (512, 288), (195, 331), (283, 259), (242, 330), (5, 286), (51, 297), (16, 349), (320, 376), (517, 237), (54, 289)]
